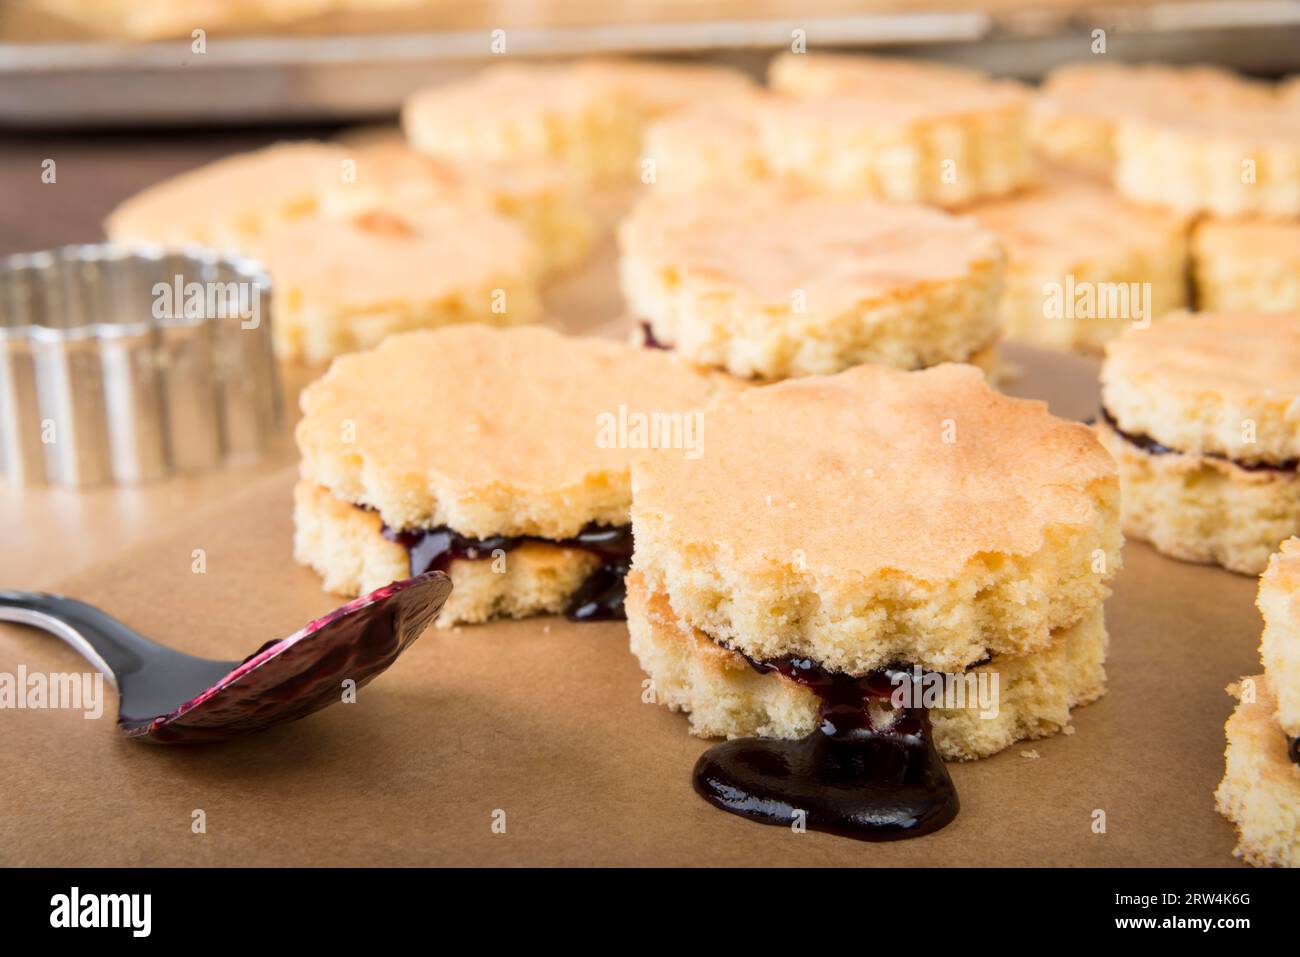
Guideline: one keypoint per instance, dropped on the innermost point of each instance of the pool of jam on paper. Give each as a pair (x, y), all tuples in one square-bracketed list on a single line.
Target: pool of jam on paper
[(868, 771), (1151, 447), (599, 598)]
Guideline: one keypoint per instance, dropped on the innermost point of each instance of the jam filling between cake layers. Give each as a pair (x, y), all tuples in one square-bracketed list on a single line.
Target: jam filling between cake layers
[(599, 598), (1151, 447), (870, 770), (650, 341)]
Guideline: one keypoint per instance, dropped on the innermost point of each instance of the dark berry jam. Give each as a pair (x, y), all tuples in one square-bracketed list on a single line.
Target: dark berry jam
[(870, 771), (1293, 750), (600, 598), (648, 340), (1151, 447)]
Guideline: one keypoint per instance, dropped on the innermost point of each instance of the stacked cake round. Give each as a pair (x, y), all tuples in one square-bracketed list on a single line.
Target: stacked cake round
[(540, 197), (347, 283), (499, 456), (1248, 265), (1202, 413), (1232, 160), (1076, 117), (771, 282), (902, 130), (364, 243), (1260, 792), (230, 203), (1083, 264), (588, 116), (888, 128), (874, 519)]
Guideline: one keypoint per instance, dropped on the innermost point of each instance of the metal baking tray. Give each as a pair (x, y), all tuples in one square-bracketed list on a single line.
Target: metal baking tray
[(314, 77)]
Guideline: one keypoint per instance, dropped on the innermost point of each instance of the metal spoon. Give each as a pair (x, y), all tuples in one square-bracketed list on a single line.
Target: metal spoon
[(169, 697)]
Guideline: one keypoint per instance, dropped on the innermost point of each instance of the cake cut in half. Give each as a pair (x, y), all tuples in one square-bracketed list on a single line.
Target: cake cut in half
[(1202, 414), (499, 456)]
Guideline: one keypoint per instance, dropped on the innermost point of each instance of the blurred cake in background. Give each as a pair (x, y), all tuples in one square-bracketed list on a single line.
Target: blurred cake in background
[(1202, 413), (901, 130), (1246, 265), (1228, 159), (710, 143), (588, 115), (1080, 106), (345, 283), (230, 203), (1083, 264), (770, 283), (541, 197)]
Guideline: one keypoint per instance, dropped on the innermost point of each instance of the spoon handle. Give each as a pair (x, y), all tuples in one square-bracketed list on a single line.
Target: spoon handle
[(105, 642)]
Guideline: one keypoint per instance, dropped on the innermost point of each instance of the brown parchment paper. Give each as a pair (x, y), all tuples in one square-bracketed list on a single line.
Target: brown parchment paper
[(543, 719)]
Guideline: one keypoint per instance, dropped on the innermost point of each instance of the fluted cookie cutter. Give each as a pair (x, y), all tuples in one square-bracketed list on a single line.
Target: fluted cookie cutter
[(128, 363)]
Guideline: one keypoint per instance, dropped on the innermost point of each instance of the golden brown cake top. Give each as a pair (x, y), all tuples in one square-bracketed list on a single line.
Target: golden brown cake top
[(770, 244), (392, 172), (1210, 383), (1113, 90), (891, 84), (876, 471), (235, 194), (506, 92), (1281, 581), (1223, 357), (661, 86), (1248, 238), (1069, 220), (725, 122), (404, 258), (389, 172), (648, 87), (494, 431), (1272, 122)]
